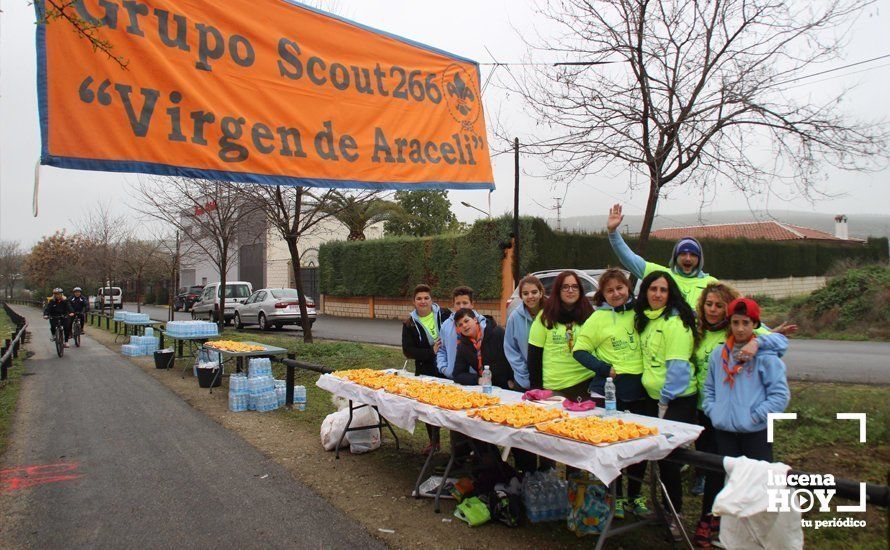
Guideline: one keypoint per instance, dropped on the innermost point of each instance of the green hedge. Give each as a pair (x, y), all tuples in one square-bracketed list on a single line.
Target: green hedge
[(392, 266)]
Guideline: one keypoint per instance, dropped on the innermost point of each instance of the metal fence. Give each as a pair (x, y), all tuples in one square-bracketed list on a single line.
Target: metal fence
[(12, 345)]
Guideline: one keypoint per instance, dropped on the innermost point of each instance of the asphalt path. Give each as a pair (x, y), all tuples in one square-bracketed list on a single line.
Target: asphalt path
[(102, 455), (816, 360)]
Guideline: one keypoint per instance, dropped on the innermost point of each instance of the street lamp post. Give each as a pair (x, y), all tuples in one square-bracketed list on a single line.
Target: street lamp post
[(468, 205)]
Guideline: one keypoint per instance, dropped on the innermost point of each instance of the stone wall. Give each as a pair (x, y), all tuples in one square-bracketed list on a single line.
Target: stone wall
[(778, 288), (369, 307)]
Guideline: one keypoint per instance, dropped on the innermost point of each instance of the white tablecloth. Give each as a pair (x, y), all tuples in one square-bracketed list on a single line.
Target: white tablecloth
[(604, 462)]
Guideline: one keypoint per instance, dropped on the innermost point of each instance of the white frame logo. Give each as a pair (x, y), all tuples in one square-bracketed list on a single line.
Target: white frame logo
[(784, 499)]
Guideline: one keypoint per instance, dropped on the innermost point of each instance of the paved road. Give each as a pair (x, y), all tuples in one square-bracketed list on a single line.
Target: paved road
[(819, 360), (153, 472)]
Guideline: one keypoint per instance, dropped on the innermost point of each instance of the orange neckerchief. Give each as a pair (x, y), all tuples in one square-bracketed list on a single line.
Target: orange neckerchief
[(725, 355), (477, 343)]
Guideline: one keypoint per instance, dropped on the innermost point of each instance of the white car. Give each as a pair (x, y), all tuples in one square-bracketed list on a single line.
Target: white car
[(207, 306), (587, 277), (109, 297), (273, 307)]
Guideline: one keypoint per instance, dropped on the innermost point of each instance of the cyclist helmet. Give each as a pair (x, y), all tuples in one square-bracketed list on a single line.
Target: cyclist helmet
[(77, 289), (57, 290)]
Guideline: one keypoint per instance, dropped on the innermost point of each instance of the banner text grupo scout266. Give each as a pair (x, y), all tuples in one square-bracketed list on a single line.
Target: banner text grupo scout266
[(263, 91)]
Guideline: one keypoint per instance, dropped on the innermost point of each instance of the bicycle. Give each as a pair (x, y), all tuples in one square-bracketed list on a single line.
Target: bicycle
[(76, 330), (59, 333)]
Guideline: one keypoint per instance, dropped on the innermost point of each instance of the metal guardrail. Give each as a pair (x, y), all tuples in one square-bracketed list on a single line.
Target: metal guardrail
[(11, 346)]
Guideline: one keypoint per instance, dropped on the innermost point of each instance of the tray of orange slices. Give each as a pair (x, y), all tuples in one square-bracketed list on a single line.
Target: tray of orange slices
[(234, 347), (518, 415), (597, 431), (432, 393)]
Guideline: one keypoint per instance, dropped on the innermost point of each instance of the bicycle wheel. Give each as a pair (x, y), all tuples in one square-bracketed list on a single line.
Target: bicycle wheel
[(75, 332), (60, 341)]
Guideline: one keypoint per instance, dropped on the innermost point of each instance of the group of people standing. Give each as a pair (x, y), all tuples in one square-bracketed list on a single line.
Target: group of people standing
[(685, 348)]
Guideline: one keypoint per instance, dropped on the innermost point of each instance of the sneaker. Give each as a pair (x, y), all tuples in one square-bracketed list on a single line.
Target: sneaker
[(641, 508), (702, 538), (715, 532), (66, 345), (698, 486), (432, 448), (674, 526), (620, 504)]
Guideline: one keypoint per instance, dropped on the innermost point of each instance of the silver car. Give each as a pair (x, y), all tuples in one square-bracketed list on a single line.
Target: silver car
[(273, 307), (587, 277)]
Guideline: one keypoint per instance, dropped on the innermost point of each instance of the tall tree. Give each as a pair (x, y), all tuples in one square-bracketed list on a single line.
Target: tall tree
[(359, 211), (11, 265), (209, 213), (52, 261), (692, 93), (424, 213), (143, 262), (103, 235)]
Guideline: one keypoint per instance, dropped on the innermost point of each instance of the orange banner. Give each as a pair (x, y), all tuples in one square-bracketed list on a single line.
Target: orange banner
[(258, 91)]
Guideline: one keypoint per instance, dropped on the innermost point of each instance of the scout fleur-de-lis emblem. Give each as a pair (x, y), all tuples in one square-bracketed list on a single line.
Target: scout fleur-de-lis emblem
[(460, 91)]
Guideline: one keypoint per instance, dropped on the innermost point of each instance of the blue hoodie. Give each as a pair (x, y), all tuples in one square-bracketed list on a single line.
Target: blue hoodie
[(516, 344), (448, 350), (691, 285), (760, 388)]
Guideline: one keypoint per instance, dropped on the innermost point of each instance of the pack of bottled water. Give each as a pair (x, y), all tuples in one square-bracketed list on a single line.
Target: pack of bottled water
[(119, 315), (239, 393), (259, 366), (262, 394), (300, 398), (140, 345), (191, 329), (281, 391), (545, 497), (149, 331), (130, 317), (130, 350)]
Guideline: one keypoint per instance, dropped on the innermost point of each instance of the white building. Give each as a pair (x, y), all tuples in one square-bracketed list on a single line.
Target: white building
[(261, 257)]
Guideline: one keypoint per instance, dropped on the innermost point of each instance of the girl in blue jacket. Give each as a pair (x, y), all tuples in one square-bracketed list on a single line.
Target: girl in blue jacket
[(531, 292)]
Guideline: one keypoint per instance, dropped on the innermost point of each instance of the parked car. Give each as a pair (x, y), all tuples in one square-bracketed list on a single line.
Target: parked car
[(207, 305), (186, 297), (587, 277), (273, 307), (109, 297)]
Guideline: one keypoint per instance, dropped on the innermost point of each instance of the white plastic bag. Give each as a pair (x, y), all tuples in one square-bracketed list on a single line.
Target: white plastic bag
[(331, 429), (363, 441)]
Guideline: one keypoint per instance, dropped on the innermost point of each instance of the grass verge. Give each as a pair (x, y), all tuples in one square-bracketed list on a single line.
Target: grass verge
[(9, 389)]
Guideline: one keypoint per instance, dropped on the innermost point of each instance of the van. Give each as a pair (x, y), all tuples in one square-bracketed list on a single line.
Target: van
[(108, 297), (207, 305)]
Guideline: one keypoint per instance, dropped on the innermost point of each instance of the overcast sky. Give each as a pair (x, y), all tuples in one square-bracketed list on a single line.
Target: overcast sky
[(462, 27)]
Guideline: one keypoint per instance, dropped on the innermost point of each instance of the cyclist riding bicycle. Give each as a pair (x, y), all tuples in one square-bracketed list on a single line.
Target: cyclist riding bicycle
[(58, 310), (80, 305)]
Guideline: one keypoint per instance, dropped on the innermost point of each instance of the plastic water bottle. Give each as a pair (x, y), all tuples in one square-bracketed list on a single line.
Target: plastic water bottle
[(485, 380), (611, 403)]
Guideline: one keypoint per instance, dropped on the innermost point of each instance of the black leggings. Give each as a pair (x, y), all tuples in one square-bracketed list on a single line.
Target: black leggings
[(752, 445), (66, 324), (637, 471), (707, 443), (681, 409)]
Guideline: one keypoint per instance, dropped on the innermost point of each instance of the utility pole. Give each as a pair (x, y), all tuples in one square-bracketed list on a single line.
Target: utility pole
[(516, 274)]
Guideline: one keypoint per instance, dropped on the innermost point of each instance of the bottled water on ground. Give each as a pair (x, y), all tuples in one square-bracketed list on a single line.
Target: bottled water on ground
[(300, 398), (611, 403), (485, 380)]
